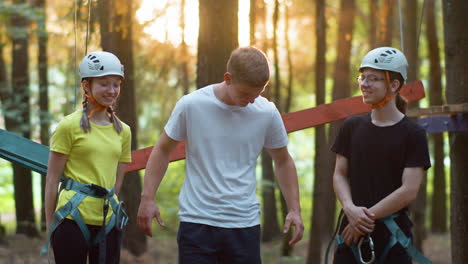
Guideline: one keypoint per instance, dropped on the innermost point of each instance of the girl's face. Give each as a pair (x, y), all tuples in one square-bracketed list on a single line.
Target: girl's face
[(373, 86), (106, 89)]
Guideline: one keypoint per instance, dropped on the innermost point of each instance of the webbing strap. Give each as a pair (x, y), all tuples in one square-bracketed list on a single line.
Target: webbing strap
[(71, 208), (398, 236)]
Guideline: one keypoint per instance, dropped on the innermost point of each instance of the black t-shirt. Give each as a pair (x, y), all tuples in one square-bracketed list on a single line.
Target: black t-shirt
[(377, 157)]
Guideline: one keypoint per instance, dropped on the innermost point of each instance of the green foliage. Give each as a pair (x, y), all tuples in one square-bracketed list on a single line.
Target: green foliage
[(7, 204)]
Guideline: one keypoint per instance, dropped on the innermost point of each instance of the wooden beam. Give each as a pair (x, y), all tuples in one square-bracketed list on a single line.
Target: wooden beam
[(448, 109), (439, 124), (294, 121)]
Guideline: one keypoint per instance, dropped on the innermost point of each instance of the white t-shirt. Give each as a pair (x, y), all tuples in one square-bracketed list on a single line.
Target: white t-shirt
[(223, 143)]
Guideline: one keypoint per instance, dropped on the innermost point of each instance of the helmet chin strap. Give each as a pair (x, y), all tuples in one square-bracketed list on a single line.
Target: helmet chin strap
[(98, 107), (388, 97)]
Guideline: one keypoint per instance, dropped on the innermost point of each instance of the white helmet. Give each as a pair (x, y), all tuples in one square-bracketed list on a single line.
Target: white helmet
[(387, 59), (100, 63)]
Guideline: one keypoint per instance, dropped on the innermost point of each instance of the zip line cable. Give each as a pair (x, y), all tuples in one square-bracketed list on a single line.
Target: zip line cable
[(75, 29), (419, 27), (87, 26), (76, 55)]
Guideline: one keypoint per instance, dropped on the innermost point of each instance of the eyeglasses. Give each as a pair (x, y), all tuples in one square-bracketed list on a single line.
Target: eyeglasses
[(371, 79)]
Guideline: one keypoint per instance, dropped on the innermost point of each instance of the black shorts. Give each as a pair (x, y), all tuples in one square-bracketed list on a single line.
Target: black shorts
[(204, 244), (69, 244)]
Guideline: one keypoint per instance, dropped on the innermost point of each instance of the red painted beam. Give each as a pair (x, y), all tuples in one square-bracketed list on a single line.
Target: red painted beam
[(294, 121)]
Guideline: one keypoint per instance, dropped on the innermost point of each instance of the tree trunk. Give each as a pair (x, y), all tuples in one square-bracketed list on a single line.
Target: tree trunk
[(184, 52), (253, 22), (314, 254), (289, 87), (286, 249), (386, 24), (270, 227), (116, 37), (439, 198), (277, 81), (454, 12), (373, 23), (409, 46), (43, 91), (22, 179), (341, 89), (215, 40)]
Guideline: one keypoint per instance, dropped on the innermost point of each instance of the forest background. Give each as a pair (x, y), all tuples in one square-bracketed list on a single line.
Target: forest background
[(172, 47)]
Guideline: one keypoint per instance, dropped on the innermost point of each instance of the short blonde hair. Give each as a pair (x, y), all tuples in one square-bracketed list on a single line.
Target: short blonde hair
[(249, 65)]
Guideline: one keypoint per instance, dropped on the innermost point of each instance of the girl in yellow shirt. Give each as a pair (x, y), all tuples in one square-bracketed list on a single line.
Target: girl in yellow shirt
[(89, 150)]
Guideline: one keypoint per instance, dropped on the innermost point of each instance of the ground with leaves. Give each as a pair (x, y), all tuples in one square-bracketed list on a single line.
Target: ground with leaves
[(19, 249)]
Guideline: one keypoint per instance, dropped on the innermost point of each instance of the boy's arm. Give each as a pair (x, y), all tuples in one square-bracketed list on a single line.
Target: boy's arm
[(287, 179), (155, 170), (401, 197), (360, 219)]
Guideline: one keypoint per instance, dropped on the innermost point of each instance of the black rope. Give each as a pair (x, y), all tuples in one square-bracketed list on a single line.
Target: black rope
[(87, 26)]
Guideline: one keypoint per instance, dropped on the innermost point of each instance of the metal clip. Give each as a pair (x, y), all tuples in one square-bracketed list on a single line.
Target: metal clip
[(371, 246), (121, 216)]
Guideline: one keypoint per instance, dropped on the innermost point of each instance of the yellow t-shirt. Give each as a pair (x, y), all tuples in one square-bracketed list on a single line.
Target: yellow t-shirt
[(92, 158)]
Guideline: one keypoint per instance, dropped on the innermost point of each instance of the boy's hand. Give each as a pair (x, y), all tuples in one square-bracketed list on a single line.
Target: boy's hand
[(146, 212), (294, 219)]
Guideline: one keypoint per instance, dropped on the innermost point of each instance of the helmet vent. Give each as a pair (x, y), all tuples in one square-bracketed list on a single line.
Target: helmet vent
[(102, 68)]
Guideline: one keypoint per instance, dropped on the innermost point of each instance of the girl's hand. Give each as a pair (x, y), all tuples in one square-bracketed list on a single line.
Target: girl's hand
[(361, 220)]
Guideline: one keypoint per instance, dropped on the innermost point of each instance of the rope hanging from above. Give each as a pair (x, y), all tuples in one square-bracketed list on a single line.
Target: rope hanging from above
[(75, 29)]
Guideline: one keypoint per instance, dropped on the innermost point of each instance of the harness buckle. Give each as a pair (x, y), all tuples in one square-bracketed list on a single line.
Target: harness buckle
[(367, 239), (98, 190)]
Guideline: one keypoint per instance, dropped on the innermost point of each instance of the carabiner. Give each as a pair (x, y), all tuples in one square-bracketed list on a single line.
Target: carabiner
[(371, 246), (122, 217)]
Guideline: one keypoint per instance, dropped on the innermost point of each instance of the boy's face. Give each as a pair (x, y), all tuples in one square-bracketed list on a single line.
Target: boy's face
[(373, 86), (244, 94), (241, 94)]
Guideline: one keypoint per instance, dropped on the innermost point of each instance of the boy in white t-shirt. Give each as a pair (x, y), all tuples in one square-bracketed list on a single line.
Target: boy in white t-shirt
[(226, 126)]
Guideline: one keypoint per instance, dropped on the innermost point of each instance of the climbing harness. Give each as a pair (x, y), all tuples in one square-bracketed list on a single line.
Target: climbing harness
[(397, 237), (119, 219)]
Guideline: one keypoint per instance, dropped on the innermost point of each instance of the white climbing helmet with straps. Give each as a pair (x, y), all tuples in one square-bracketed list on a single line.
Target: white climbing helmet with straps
[(100, 63), (386, 59)]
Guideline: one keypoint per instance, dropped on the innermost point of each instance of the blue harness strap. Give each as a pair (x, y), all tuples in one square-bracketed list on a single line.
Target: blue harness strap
[(398, 236), (119, 219)]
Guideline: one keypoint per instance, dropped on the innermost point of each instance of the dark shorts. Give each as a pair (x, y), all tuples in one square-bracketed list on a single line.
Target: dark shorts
[(204, 244), (69, 244)]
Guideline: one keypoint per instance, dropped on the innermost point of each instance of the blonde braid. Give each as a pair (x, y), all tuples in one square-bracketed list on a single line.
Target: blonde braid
[(114, 119), (84, 121)]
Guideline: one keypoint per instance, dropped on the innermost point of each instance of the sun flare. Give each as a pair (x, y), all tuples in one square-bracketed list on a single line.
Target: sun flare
[(163, 20)]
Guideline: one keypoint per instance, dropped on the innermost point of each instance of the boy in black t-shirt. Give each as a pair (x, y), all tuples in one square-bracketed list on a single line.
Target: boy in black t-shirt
[(381, 158)]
